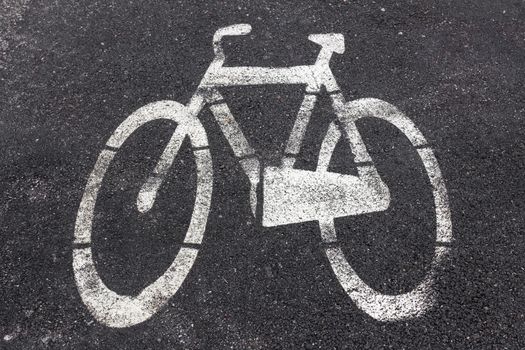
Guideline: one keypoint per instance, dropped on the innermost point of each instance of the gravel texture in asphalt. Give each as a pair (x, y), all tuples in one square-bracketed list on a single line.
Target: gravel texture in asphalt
[(71, 72)]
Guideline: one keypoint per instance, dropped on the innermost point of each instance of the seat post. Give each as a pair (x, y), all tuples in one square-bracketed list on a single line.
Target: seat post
[(329, 43)]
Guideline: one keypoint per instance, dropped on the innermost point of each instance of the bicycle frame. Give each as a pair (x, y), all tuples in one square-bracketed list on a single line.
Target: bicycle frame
[(313, 76), (287, 195), (369, 192)]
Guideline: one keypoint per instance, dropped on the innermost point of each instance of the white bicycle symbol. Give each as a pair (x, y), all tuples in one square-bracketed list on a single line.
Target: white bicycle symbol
[(288, 195)]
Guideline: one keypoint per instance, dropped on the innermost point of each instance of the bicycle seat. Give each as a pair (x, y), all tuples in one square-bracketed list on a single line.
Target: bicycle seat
[(333, 41), (233, 30)]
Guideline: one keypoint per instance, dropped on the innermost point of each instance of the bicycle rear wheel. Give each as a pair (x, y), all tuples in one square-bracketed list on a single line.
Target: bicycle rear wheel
[(105, 305), (385, 307)]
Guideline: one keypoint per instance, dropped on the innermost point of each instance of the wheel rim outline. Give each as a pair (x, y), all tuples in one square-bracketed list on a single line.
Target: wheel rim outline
[(384, 307), (106, 306)]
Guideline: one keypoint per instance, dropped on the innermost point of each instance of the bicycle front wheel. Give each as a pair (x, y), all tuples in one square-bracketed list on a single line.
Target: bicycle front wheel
[(105, 305), (385, 307)]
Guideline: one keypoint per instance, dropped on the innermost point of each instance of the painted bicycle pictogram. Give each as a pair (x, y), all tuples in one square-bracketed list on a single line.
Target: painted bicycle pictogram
[(287, 195)]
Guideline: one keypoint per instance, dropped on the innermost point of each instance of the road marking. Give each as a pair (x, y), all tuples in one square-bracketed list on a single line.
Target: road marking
[(194, 149), (106, 306), (364, 164), (293, 195), (112, 149), (115, 310), (81, 245), (231, 130), (89, 198), (328, 146), (148, 191), (288, 195), (216, 102), (252, 168), (381, 306), (299, 129), (328, 233), (191, 245), (203, 195)]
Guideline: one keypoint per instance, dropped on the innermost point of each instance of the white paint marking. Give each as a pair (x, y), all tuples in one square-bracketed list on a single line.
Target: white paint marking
[(294, 196), (328, 233), (290, 195), (106, 306), (301, 122), (375, 108), (149, 190), (252, 168), (89, 198), (328, 146), (231, 130), (443, 221), (239, 76), (381, 306), (115, 310), (203, 197)]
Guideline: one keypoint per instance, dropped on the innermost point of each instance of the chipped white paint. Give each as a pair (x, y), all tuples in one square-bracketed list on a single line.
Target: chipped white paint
[(288, 195), (301, 122), (293, 196), (231, 130), (119, 311), (384, 307), (381, 306), (106, 306), (149, 190), (252, 168)]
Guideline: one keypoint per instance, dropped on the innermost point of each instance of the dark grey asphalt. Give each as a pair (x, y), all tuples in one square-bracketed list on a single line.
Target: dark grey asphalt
[(70, 73)]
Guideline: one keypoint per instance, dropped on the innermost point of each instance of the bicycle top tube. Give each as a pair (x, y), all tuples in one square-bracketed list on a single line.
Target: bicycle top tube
[(233, 76), (313, 76)]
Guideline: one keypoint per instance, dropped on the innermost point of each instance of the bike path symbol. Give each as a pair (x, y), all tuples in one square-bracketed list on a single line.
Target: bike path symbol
[(287, 195)]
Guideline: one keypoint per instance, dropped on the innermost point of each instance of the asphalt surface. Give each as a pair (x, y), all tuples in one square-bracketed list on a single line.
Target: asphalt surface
[(71, 73)]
